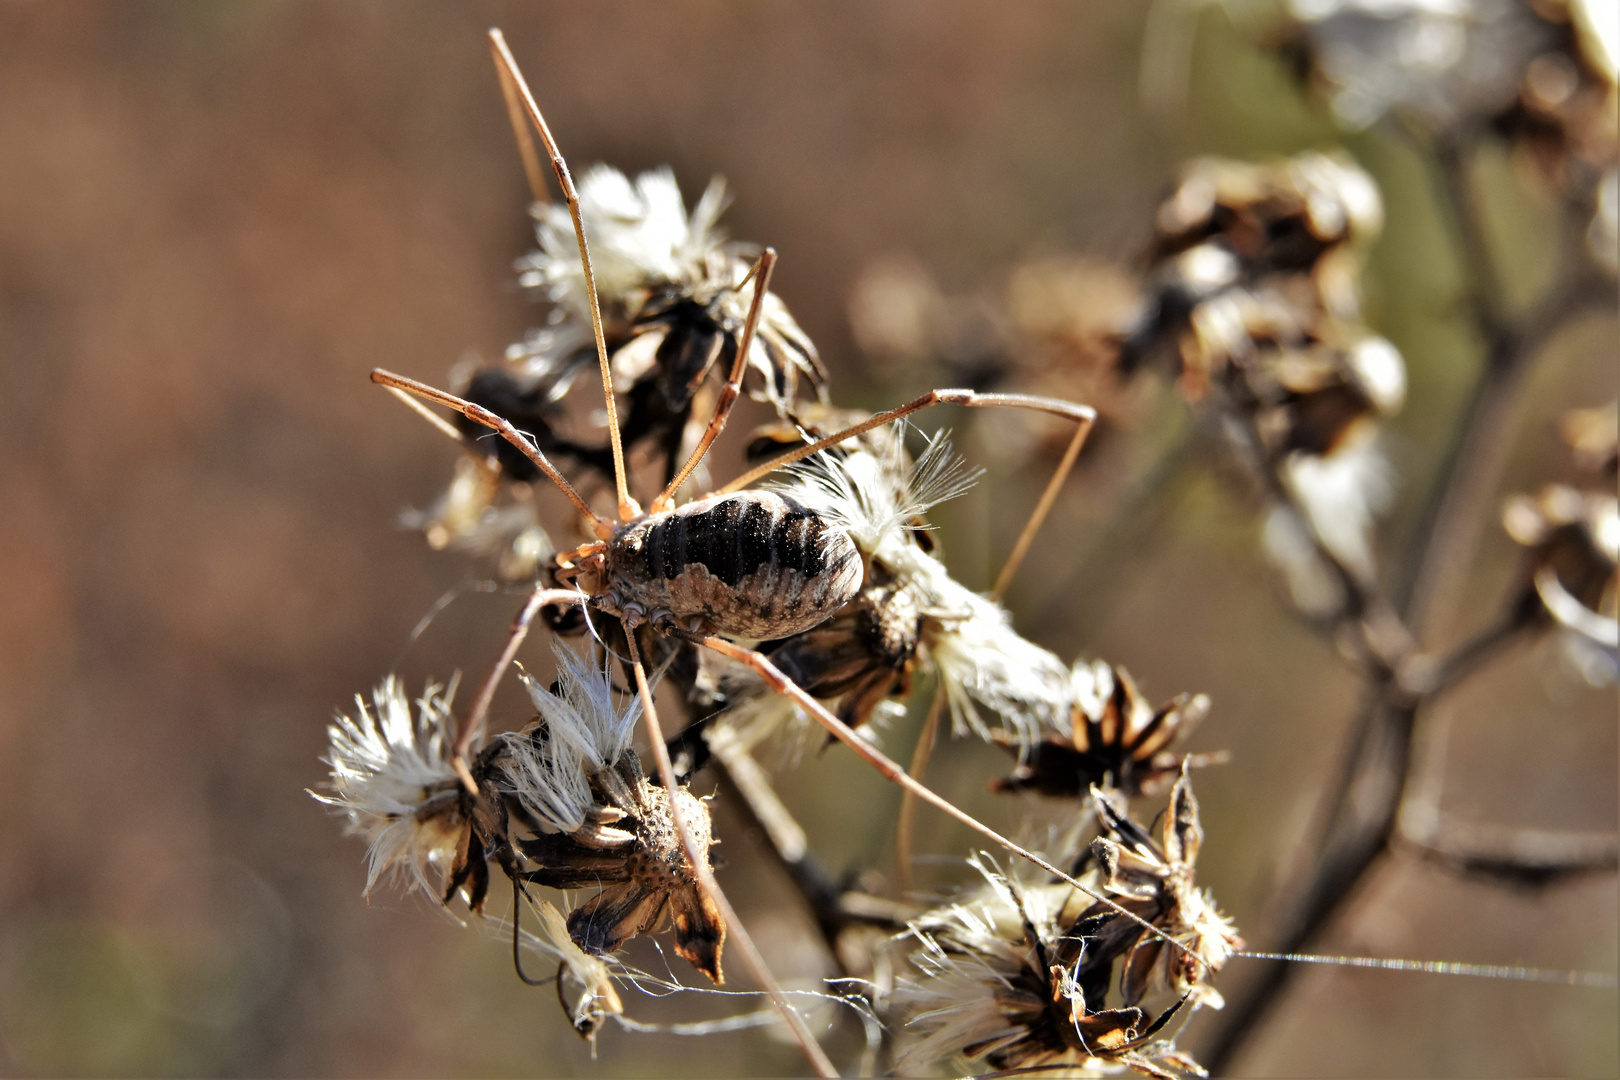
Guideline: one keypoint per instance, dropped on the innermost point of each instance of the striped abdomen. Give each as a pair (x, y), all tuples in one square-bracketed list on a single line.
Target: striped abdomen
[(754, 564)]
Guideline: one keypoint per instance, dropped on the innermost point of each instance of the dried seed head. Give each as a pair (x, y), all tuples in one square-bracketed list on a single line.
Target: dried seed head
[(668, 290), (1154, 881), (629, 845), (1004, 977), (392, 782), (597, 821), (1569, 571), (1116, 740), (581, 734)]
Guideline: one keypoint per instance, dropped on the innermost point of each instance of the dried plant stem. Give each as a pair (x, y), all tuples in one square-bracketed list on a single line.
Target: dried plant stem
[(1360, 818)]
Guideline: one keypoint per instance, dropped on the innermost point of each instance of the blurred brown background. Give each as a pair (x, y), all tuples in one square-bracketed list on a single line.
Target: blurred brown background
[(214, 219)]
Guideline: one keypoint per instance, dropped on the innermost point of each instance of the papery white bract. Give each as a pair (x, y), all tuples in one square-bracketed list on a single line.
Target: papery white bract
[(639, 232)]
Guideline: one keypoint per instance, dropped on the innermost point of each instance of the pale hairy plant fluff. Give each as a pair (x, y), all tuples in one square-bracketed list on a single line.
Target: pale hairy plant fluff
[(582, 732), (390, 774)]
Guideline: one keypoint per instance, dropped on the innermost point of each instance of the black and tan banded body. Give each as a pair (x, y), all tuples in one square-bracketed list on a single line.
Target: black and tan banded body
[(754, 564)]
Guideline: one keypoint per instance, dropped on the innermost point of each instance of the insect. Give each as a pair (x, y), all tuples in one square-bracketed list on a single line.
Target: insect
[(738, 563)]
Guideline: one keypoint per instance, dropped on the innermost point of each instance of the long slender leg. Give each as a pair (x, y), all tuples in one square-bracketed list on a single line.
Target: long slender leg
[(761, 274), (444, 426), (473, 724), (628, 509), (891, 770), (1083, 415), (906, 823), (600, 525), (700, 869), (1042, 508), (520, 128)]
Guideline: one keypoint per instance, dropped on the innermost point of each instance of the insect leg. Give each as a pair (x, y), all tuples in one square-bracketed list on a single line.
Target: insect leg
[(1038, 516), (600, 525), (761, 274), (891, 770), (628, 509), (473, 724), (1084, 415), (711, 888), (520, 127), (906, 822), (520, 896)]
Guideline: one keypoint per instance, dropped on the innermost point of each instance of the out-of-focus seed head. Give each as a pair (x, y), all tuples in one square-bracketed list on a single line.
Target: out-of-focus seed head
[(1569, 572), (1253, 253), (483, 517), (1441, 63), (1593, 435)]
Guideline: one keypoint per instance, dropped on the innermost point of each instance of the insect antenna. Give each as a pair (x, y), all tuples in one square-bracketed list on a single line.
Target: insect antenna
[(761, 273), (628, 508)]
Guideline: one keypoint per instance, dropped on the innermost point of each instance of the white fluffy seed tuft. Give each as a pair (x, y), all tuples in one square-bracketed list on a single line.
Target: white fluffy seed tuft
[(392, 781)]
